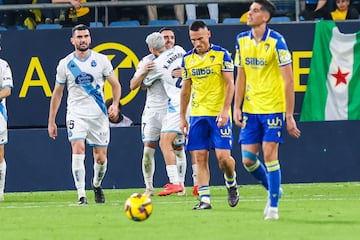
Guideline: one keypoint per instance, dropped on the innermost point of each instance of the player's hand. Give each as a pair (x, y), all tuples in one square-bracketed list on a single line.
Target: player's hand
[(184, 127), (237, 115), (149, 66), (292, 128), (113, 111), (52, 130), (222, 119), (76, 4), (177, 72)]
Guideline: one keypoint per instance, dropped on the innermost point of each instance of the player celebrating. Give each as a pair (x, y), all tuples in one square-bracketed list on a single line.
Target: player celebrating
[(166, 61), (84, 72), (265, 90), (154, 113)]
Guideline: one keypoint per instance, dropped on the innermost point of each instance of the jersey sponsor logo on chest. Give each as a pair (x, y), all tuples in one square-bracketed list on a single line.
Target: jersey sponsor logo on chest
[(84, 79), (255, 61), (201, 71)]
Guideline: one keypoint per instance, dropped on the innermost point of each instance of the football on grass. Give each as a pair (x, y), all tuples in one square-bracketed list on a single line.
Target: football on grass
[(138, 207)]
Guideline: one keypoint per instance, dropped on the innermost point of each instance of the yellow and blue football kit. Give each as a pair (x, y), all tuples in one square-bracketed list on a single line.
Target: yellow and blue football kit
[(207, 97), (264, 103), (264, 98)]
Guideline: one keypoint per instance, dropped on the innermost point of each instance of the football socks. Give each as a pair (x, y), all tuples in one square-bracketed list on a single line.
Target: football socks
[(148, 166), (274, 178), (99, 173), (2, 176), (78, 171), (181, 164)]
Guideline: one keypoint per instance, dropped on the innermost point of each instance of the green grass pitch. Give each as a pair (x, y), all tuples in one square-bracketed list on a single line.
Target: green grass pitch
[(322, 211)]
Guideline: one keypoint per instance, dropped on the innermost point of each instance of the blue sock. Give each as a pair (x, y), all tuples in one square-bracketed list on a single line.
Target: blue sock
[(274, 178), (257, 169)]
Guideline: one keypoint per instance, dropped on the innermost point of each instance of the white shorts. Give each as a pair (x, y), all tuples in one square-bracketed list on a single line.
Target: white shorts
[(95, 131), (151, 124), (171, 123), (3, 130)]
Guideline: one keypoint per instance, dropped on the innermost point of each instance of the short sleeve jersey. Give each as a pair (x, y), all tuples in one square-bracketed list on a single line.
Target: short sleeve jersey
[(156, 98), (85, 80), (165, 63), (6, 80), (208, 84), (264, 90)]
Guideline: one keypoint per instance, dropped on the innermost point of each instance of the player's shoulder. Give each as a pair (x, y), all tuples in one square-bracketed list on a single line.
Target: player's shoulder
[(3, 63), (275, 34), (243, 34), (66, 59), (188, 53), (98, 55), (218, 48), (178, 48), (148, 58)]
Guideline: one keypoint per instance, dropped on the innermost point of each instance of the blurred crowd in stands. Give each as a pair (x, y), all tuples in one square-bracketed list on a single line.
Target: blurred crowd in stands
[(76, 13)]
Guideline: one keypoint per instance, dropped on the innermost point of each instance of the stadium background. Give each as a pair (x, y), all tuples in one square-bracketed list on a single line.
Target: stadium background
[(325, 152)]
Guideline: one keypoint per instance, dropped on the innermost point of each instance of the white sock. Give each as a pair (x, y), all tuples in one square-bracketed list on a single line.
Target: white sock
[(194, 169), (181, 164), (172, 173), (148, 166), (2, 176), (99, 173), (78, 171)]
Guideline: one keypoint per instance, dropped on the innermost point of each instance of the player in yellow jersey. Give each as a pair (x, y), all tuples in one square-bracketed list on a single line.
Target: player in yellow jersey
[(208, 79), (265, 90)]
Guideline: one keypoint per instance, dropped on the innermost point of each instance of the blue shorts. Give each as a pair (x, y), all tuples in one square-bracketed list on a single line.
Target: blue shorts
[(260, 128), (205, 134)]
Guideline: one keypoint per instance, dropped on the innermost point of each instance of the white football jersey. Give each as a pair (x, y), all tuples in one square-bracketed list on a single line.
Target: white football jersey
[(6, 80), (85, 82), (165, 63), (156, 98)]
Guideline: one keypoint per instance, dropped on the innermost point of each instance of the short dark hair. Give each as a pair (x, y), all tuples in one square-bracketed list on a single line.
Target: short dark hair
[(196, 25), (79, 27), (165, 29), (109, 101), (267, 6)]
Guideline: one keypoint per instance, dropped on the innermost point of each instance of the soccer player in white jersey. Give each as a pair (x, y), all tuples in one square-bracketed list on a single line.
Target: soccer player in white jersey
[(6, 84), (153, 115), (169, 37), (166, 61), (84, 73), (151, 120)]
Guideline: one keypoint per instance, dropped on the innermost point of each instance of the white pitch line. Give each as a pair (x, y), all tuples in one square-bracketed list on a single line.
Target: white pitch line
[(173, 202)]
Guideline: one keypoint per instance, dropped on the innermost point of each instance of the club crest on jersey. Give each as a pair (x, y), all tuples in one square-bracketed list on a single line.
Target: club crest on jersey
[(267, 46), (84, 79), (93, 63), (212, 58)]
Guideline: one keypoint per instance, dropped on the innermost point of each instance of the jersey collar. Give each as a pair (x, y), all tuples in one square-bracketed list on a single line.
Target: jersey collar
[(211, 46), (266, 33)]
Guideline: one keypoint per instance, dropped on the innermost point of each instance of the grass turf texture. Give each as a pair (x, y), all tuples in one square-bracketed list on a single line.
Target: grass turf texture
[(307, 211)]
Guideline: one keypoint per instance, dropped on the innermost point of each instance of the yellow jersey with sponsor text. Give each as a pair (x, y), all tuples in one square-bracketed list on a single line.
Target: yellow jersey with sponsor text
[(208, 84), (261, 61)]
